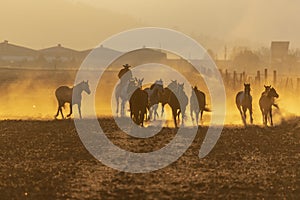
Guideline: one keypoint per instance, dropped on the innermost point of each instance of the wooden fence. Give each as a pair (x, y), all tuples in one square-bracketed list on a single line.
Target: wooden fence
[(234, 80)]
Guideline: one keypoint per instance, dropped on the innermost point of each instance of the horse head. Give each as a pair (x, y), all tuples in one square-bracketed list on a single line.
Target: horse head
[(139, 82), (84, 85), (273, 93), (267, 88), (195, 88), (173, 85), (247, 88), (159, 82), (180, 86)]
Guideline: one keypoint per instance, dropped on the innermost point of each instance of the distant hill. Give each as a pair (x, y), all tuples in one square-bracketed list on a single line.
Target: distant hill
[(12, 51), (56, 57)]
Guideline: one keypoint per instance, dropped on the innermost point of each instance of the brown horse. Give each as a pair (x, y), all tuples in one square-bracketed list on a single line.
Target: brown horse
[(197, 104), (138, 102), (166, 94), (65, 94), (154, 98), (175, 97), (243, 102), (266, 102)]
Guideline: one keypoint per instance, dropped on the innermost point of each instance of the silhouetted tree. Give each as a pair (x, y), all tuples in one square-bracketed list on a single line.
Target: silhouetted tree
[(246, 59)]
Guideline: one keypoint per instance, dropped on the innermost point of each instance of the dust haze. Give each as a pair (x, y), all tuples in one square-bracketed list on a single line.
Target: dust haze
[(29, 94)]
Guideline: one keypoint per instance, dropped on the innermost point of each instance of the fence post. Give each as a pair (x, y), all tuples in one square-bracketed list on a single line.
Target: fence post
[(258, 77), (226, 77), (266, 76), (274, 77), (234, 79), (287, 82), (241, 78), (298, 83)]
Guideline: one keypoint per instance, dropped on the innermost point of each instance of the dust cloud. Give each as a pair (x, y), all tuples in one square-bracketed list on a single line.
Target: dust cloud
[(29, 94)]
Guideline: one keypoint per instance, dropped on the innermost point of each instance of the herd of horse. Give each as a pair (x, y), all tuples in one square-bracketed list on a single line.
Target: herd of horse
[(148, 99), (143, 103)]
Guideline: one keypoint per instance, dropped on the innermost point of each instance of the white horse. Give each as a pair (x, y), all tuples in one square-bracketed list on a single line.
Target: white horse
[(121, 93)]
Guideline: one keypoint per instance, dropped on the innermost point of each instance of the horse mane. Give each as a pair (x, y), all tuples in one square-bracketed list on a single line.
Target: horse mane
[(152, 86)]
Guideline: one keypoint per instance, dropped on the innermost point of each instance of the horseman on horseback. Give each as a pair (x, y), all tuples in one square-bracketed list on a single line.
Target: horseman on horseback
[(125, 75)]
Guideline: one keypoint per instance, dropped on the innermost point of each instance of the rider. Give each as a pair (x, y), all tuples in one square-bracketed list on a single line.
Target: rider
[(125, 74)]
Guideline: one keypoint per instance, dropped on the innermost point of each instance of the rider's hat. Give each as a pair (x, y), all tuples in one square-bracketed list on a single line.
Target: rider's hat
[(126, 66)]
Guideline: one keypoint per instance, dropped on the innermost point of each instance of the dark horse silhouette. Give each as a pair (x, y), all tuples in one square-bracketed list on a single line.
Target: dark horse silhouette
[(165, 94), (266, 102), (64, 95), (175, 97), (197, 104), (266, 92), (154, 98), (138, 102), (243, 102)]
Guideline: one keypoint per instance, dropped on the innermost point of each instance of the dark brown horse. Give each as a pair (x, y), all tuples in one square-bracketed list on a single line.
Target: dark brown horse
[(173, 86), (266, 102), (154, 98), (138, 102), (175, 97), (243, 102), (197, 104), (65, 94)]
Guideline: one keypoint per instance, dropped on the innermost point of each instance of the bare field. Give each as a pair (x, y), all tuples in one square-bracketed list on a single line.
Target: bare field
[(46, 160)]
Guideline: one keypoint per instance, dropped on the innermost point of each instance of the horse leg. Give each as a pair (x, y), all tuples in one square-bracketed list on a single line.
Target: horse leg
[(123, 108), (148, 115), (191, 113), (61, 112), (71, 110), (79, 110), (162, 109), (142, 114), (155, 111), (271, 117), (174, 112), (242, 115), (150, 112), (57, 113), (178, 115), (60, 109), (117, 100), (245, 113), (265, 118), (131, 113), (183, 116), (197, 117), (251, 112), (201, 117)]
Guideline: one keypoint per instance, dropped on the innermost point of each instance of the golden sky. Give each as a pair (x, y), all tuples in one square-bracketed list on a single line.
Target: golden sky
[(83, 24)]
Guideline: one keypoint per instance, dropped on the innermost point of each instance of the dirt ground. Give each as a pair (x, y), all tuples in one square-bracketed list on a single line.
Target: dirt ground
[(46, 160)]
